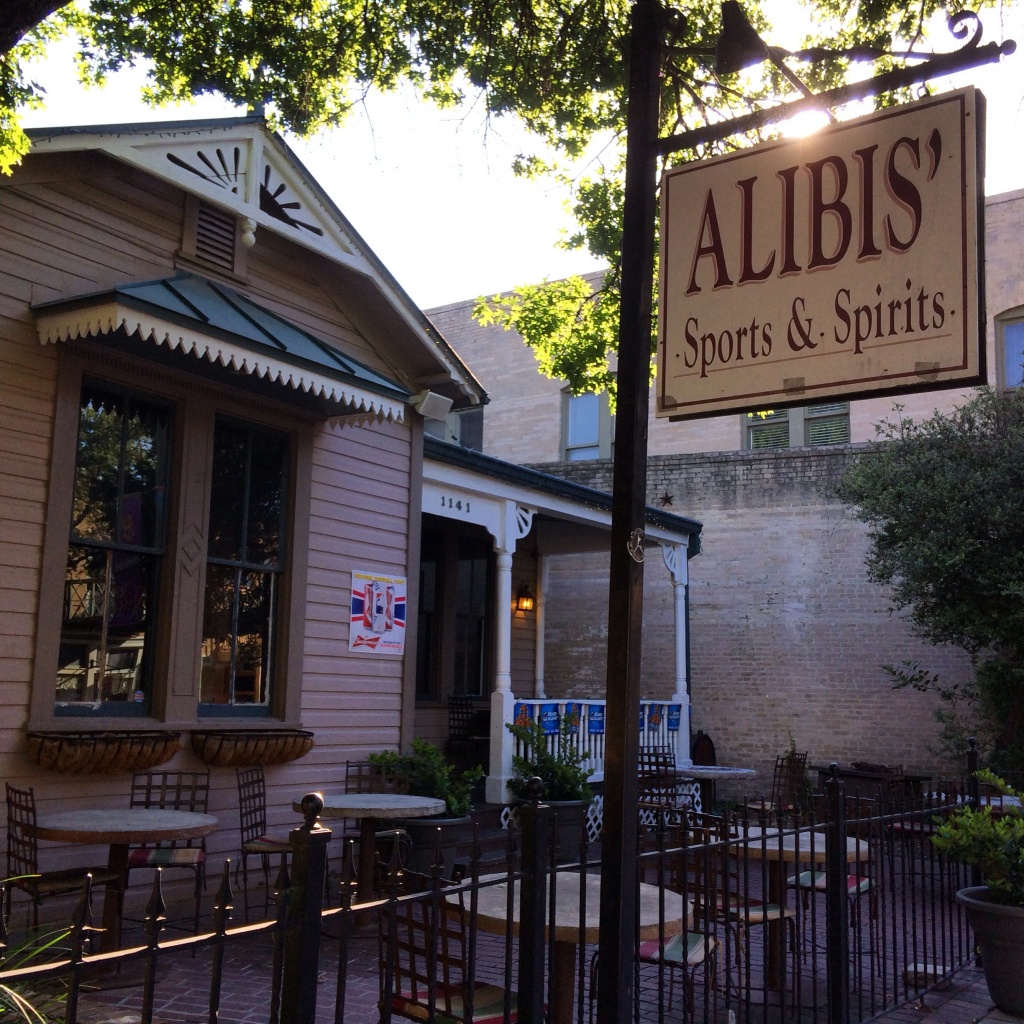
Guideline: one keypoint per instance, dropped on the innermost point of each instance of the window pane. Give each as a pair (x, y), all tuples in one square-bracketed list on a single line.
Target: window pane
[(266, 500), (218, 635), (828, 430), (108, 627), (772, 432), (471, 605), (244, 558), (428, 640), (227, 493), (582, 428), (120, 470), (1013, 352), (112, 573), (579, 454)]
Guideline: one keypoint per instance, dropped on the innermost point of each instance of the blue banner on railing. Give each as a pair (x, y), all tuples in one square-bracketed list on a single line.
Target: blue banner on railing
[(523, 714), (655, 713), (595, 719), (572, 716), (549, 719), (674, 715)]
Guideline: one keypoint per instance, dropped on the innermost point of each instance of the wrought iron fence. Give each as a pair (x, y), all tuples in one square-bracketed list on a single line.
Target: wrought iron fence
[(837, 912)]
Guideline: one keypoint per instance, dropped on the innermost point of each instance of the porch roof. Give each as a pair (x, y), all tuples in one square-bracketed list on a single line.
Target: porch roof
[(549, 495), (218, 325)]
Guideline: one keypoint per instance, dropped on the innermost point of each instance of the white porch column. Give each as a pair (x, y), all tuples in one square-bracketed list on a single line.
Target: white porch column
[(674, 557), (514, 526), (538, 642)]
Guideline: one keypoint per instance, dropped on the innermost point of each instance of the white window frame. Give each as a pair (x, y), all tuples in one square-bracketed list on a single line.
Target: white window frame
[(798, 419), (604, 443), (1012, 318)]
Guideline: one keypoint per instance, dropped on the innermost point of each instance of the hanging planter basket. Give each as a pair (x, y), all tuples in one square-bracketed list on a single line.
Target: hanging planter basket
[(242, 749), (95, 753)]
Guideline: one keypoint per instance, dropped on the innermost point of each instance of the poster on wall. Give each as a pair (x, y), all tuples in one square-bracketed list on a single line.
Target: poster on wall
[(377, 621)]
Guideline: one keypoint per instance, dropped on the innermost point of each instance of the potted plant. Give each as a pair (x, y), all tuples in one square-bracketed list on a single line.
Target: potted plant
[(424, 771), (561, 767), (991, 839)]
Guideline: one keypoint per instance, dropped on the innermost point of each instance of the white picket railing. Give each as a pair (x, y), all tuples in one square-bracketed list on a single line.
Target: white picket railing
[(660, 724)]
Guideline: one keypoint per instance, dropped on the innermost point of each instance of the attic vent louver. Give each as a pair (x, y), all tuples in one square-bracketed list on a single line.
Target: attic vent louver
[(215, 237)]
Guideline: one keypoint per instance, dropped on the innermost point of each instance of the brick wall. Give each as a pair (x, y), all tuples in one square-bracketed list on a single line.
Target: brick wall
[(788, 635)]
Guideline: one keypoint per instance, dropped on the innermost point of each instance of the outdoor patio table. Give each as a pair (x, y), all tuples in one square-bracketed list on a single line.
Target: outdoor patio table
[(492, 911), (792, 848), (120, 828), (371, 809)]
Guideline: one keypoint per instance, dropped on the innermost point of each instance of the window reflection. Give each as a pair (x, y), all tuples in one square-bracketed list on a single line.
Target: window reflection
[(243, 566), (116, 544)]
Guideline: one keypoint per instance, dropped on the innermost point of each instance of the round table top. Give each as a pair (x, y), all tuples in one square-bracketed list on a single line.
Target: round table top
[(492, 908), (802, 847), (377, 805), (715, 772), (123, 825)]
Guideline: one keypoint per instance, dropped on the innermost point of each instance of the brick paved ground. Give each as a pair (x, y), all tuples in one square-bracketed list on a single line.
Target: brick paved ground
[(183, 991)]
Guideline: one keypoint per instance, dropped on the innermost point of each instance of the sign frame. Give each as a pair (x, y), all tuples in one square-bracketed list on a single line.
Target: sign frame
[(897, 178)]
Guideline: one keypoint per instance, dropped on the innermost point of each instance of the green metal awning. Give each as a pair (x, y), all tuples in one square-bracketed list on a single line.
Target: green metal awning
[(215, 323)]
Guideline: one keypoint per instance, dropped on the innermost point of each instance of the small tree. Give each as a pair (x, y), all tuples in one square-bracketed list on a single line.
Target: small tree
[(944, 502)]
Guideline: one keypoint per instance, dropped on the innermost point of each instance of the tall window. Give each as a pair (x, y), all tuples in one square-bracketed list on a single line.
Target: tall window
[(117, 540), (1013, 353), (428, 637), (810, 426), (245, 560), (472, 586), (588, 427)]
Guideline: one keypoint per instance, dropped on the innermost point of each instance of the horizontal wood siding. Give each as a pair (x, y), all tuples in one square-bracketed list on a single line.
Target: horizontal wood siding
[(70, 227)]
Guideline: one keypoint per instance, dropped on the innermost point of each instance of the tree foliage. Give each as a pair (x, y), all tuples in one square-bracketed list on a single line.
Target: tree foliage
[(558, 65), (944, 504)]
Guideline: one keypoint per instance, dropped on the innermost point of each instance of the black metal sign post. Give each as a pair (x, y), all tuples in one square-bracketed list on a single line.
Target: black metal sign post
[(629, 501), (629, 487)]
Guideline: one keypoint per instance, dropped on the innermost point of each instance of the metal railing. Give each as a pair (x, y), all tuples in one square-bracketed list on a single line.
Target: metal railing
[(836, 913)]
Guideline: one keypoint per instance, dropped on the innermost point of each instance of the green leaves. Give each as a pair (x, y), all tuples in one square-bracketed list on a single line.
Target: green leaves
[(561, 769), (944, 504)]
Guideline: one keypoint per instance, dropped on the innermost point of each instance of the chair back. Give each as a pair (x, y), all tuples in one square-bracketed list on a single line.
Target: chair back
[(252, 803), (423, 940), (789, 782), (460, 718), (363, 777), (173, 790), (656, 767), (22, 845)]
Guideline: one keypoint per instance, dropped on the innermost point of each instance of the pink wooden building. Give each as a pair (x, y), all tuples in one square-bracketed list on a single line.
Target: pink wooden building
[(222, 536)]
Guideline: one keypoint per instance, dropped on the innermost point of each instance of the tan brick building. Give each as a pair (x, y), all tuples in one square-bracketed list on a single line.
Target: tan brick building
[(787, 635)]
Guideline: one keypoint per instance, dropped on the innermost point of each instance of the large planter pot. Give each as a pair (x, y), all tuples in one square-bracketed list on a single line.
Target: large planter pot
[(453, 834), (569, 818), (999, 934)]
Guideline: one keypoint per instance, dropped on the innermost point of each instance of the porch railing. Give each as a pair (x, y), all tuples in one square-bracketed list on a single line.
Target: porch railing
[(660, 724)]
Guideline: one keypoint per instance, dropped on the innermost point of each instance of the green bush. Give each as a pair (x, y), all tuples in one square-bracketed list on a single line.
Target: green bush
[(424, 771), (991, 842), (560, 770)]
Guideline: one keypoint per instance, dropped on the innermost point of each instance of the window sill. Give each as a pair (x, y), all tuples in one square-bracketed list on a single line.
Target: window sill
[(238, 748), (97, 752)]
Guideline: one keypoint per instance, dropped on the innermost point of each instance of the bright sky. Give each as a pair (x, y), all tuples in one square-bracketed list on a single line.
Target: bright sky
[(433, 195)]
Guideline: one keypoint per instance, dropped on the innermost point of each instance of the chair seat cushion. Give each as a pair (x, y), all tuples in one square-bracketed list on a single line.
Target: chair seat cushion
[(691, 949), (166, 857), (488, 1006), (754, 911), (817, 880), (69, 879), (267, 844)]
